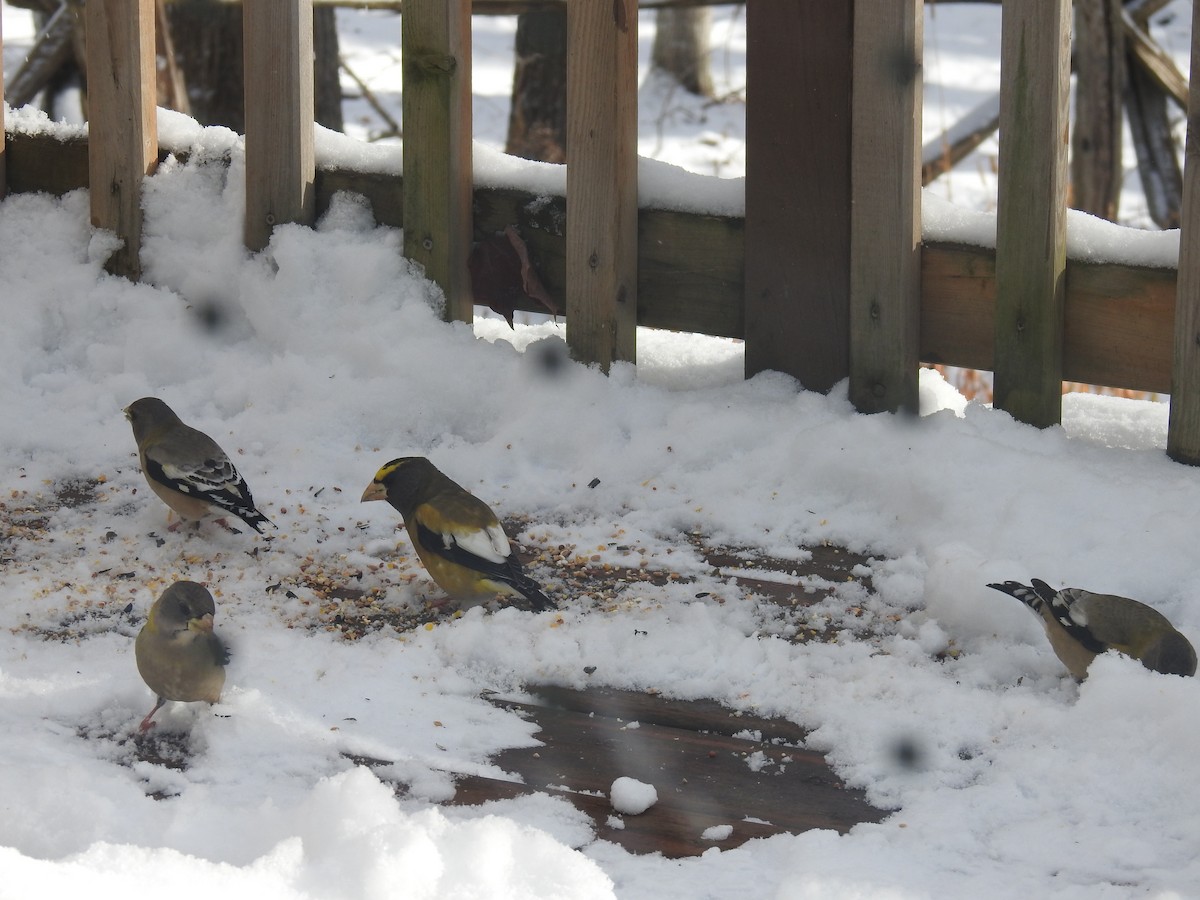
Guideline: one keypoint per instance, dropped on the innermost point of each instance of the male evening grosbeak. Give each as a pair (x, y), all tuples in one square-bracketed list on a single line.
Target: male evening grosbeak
[(456, 535)]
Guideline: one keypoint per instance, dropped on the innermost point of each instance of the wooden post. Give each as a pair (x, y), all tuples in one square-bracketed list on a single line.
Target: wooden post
[(1035, 50), (797, 284), (280, 168), (602, 213), (122, 128), (1183, 434), (436, 50), (885, 222)]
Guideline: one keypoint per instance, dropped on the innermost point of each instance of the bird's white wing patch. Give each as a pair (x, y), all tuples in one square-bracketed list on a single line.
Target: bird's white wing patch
[(211, 476), (1075, 602), (490, 544)]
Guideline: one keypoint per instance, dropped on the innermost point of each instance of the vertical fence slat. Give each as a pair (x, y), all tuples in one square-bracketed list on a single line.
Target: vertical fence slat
[(885, 223), (436, 50), (602, 180), (1035, 49), (1183, 434), (797, 288), (3, 142), (280, 171), (122, 129)]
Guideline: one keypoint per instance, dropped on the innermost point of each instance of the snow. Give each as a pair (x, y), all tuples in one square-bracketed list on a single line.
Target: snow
[(717, 832), (631, 797), (323, 357)]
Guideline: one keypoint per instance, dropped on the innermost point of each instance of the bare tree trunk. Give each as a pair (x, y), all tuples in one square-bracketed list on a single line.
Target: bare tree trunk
[(537, 121), (681, 47), (1099, 89), (327, 98), (208, 48), (1157, 155)]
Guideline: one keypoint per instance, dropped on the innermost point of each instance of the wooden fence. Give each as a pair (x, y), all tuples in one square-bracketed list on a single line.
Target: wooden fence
[(825, 277)]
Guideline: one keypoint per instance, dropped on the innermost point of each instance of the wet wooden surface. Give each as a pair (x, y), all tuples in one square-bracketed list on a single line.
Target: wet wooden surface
[(709, 765)]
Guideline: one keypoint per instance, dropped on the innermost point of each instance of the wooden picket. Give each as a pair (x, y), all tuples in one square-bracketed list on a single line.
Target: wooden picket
[(123, 139), (1031, 232), (278, 41)]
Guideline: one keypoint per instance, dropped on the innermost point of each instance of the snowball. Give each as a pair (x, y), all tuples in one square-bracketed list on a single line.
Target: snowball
[(632, 797), (716, 833)]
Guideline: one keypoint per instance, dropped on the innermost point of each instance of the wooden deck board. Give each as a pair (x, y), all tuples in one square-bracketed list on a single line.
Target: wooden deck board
[(759, 781)]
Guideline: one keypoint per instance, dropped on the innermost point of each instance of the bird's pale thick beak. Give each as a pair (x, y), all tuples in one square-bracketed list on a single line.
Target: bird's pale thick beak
[(126, 412), (374, 491), (204, 623)]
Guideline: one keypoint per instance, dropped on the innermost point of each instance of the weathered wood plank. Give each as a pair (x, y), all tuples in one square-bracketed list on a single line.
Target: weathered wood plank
[(123, 130), (703, 716), (602, 180), (885, 224), (1107, 306), (797, 288), (280, 169), (1035, 48), (667, 829), (1118, 319), (688, 750), (436, 50), (1183, 434)]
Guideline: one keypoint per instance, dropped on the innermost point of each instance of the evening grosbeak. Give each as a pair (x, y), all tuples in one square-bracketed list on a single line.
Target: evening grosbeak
[(456, 535), (177, 653), (1081, 625), (186, 468)]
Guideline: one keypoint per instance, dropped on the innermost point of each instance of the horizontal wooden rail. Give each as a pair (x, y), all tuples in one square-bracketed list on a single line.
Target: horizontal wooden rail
[(1119, 318)]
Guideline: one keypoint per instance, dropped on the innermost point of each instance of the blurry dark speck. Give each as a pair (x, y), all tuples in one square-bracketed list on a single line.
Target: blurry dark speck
[(210, 315), (589, 669), (550, 355), (908, 754), (593, 482)]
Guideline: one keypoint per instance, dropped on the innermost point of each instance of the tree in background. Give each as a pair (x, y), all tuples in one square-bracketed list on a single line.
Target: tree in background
[(681, 47), (537, 119)]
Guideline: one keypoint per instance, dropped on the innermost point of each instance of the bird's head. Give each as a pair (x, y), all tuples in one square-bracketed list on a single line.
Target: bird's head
[(184, 606), (148, 415), (400, 482)]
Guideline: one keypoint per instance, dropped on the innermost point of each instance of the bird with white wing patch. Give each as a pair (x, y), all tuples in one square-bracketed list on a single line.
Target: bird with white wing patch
[(456, 535), (187, 469)]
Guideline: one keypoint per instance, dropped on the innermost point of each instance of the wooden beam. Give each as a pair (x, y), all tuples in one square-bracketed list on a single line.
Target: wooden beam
[(436, 50), (1035, 51), (798, 228), (1183, 434), (122, 128), (1119, 318), (602, 299), (885, 224), (279, 116)]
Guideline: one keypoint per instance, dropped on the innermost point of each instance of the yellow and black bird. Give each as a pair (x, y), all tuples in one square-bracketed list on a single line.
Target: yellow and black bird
[(1081, 625), (456, 535), (177, 653), (186, 468)]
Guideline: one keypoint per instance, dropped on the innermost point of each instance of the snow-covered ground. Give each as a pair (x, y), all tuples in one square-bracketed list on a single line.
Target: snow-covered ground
[(322, 358)]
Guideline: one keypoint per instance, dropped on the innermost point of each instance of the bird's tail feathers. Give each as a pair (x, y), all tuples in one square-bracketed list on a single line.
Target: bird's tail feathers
[(533, 593)]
